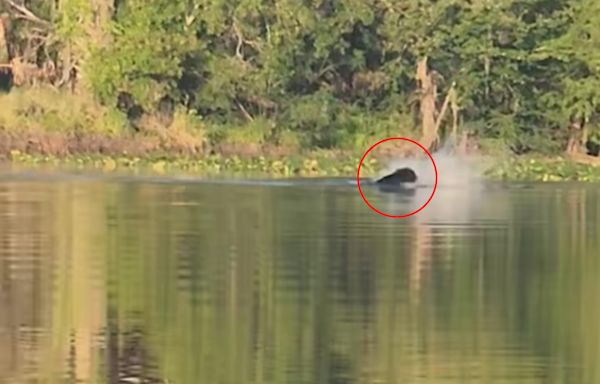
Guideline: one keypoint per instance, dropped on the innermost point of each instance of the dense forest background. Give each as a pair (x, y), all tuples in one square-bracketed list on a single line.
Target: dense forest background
[(519, 74)]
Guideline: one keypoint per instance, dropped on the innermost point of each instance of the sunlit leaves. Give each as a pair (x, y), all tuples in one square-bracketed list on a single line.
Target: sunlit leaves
[(149, 44), (523, 68)]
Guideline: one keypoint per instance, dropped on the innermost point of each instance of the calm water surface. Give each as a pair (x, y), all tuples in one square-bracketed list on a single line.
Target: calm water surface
[(131, 281)]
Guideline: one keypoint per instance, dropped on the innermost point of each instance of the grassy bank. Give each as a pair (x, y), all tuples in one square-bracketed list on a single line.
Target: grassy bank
[(42, 127)]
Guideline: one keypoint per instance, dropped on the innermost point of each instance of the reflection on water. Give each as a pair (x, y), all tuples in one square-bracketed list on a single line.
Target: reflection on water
[(107, 282)]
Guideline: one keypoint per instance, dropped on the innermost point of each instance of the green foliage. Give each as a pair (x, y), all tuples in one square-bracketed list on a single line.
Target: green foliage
[(47, 110), (337, 73), (255, 132), (149, 42), (539, 169), (314, 163), (311, 164)]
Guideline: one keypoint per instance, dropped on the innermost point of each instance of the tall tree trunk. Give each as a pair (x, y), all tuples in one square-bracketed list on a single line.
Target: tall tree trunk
[(66, 60), (427, 91), (450, 98), (455, 110), (4, 40), (6, 76), (577, 136), (91, 31)]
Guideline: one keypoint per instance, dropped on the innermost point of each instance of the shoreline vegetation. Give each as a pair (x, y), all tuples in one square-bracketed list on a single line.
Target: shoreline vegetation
[(43, 127), (92, 151), (310, 164), (299, 89), (524, 169)]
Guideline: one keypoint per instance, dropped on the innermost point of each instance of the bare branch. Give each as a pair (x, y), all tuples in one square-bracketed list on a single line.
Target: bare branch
[(449, 96), (191, 16), (244, 112), (240, 41), (25, 13)]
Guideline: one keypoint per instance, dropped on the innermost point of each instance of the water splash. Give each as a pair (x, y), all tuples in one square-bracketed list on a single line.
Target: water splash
[(460, 188), (454, 170)]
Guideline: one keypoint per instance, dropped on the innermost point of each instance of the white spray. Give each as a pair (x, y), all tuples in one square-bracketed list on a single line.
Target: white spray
[(460, 189)]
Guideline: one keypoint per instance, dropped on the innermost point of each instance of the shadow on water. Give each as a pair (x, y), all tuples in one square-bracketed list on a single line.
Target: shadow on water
[(112, 281)]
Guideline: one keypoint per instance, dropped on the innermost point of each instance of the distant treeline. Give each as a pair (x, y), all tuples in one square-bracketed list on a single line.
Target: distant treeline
[(523, 72)]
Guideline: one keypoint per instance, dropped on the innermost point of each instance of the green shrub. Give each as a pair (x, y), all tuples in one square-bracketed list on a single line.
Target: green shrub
[(48, 109)]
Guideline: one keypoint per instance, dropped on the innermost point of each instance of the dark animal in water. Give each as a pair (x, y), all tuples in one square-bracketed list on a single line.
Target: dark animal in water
[(397, 181), (402, 175), (134, 111)]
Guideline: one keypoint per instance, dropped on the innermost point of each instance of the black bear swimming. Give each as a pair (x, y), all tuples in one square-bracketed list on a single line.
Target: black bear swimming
[(401, 180)]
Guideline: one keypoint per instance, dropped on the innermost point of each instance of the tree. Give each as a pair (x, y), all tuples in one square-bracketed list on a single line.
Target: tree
[(149, 41), (576, 51)]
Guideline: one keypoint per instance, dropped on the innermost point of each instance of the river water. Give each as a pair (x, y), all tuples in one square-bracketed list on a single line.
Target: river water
[(131, 280)]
